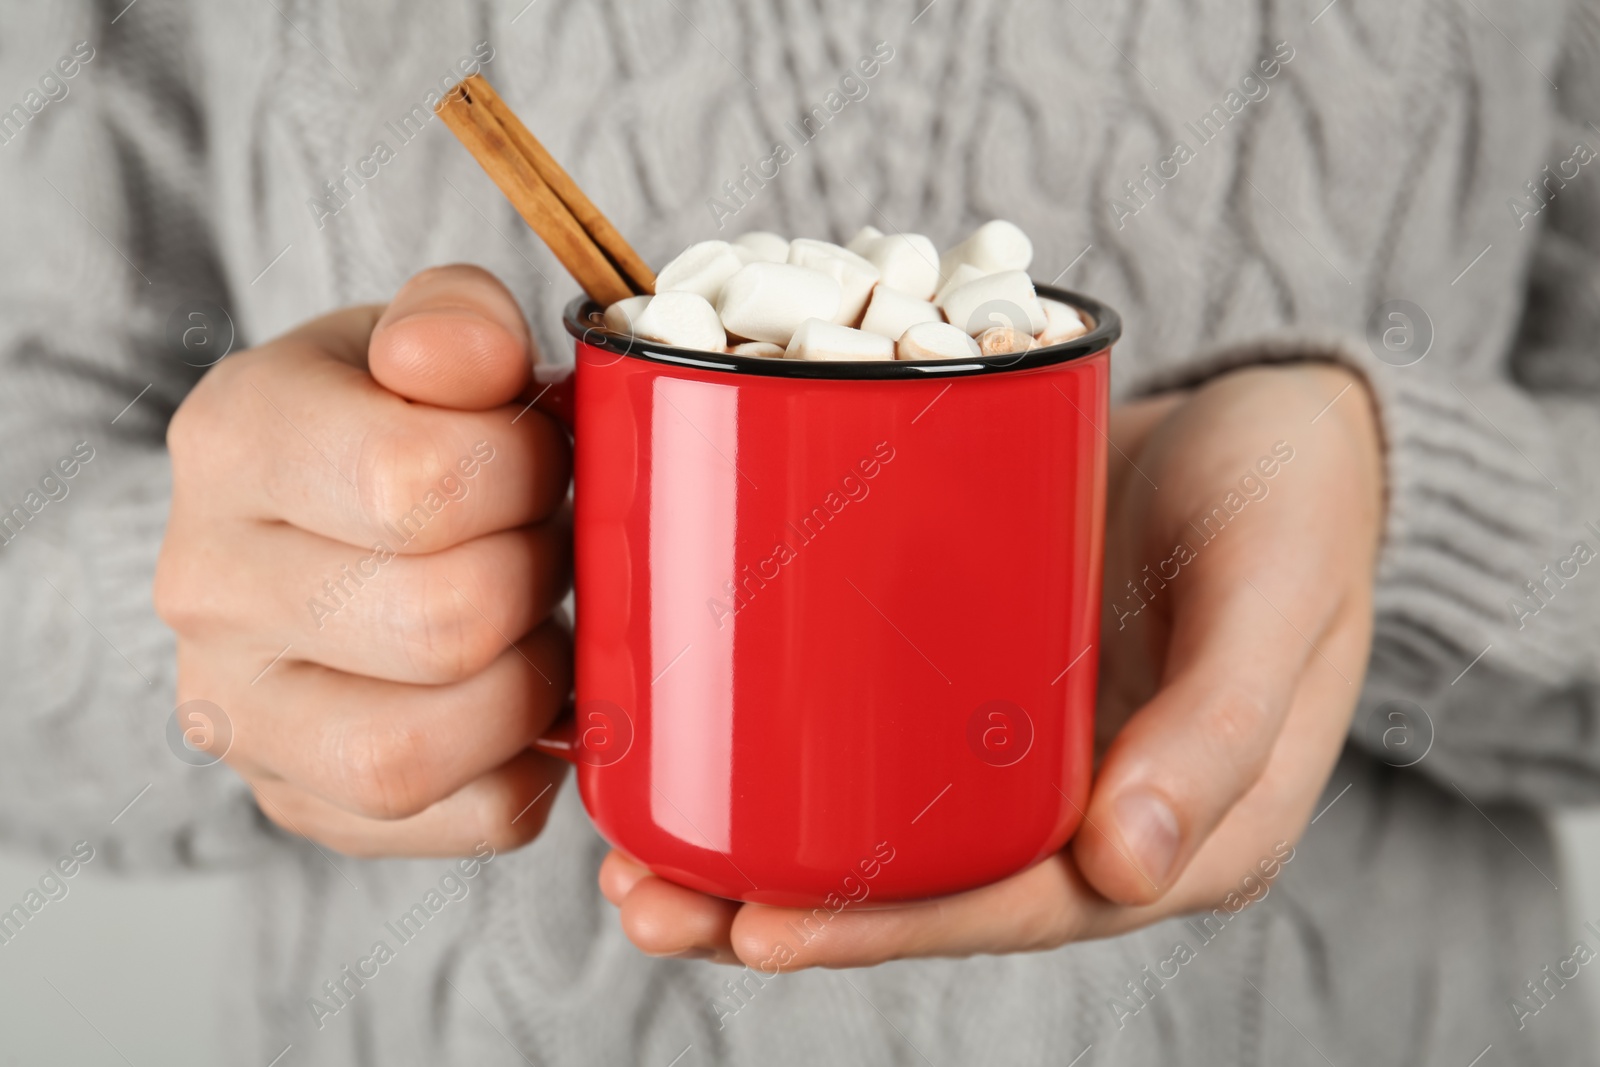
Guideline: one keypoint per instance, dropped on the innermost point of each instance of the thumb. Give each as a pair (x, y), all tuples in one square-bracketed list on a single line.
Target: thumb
[(1187, 756), (453, 337)]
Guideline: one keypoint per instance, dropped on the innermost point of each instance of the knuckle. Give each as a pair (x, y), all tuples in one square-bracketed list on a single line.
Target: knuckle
[(184, 430), (1238, 723), (405, 479), (191, 432), (447, 638), (1041, 929), (212, 398), (180, 592), (382, 770), (209, 436), (167, 593)]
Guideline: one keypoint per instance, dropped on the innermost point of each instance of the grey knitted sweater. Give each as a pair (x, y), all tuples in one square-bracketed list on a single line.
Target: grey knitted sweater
[(1431, 151)]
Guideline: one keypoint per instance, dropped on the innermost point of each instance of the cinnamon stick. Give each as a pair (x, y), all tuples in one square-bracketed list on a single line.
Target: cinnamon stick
[(628, 262), (494, 149)]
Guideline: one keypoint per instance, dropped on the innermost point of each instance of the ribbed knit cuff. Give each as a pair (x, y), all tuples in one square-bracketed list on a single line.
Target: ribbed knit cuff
[(1471, 519)]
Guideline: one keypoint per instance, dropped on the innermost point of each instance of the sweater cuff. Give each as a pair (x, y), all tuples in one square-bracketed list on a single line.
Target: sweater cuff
[(1469, 506)]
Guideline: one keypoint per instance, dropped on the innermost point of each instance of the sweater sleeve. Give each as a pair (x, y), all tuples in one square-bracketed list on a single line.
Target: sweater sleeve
[(1485, 670), (106, 241), (1488, 599)]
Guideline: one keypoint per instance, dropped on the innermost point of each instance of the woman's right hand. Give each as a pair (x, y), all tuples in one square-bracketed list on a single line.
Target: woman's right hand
[(366, 548)]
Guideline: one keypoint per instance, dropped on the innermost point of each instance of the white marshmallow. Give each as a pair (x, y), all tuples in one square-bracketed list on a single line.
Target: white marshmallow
[(993, 247), (855, 275), (1003, 340), (936, 340), (907, 262), (619, 316), (761, 246), (1005, 299), (1062, 322), (863, 239), (766, 301), (889, 312), (963, 274), (700, 268), (818, 339), (757, 348), (686, 320)]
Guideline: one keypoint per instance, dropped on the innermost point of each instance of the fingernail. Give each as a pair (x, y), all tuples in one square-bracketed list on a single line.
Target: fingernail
[(1151, 831)]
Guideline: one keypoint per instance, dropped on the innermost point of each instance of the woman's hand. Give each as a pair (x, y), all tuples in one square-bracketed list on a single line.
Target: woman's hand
[(366, 545), (1243, 524)]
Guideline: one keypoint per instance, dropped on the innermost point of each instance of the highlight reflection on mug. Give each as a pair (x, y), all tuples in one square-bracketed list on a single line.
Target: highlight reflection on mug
[(1000, 732), (603, 733)]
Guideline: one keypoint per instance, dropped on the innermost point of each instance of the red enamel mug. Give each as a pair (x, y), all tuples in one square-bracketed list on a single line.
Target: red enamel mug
[(836, 622)]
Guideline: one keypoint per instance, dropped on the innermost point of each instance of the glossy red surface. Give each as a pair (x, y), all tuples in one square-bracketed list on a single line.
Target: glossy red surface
[(834, 638)]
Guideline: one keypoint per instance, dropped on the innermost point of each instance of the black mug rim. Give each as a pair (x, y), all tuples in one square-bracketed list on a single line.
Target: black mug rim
[(579, 319)]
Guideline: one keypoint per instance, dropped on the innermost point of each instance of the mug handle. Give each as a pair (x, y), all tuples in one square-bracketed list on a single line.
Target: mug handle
[(553, 393)]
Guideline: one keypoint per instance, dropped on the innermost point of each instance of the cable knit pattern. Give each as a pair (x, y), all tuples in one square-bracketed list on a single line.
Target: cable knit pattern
[(1374, 165)]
